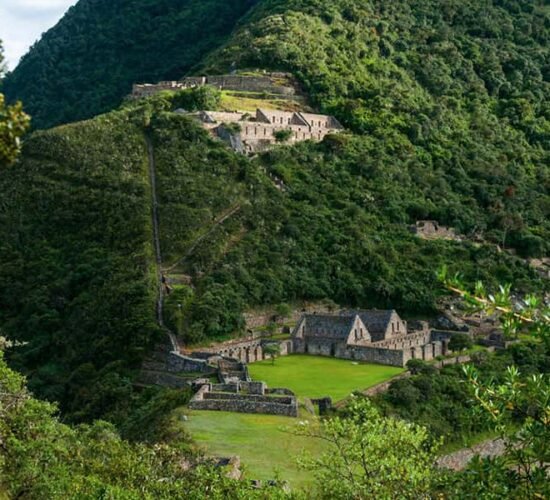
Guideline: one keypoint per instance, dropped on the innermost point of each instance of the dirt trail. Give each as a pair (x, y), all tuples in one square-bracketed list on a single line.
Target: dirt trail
[(220, 220), (156, 241)]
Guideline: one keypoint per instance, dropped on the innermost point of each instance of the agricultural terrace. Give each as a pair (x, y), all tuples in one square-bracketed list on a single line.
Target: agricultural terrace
[(317, 376)]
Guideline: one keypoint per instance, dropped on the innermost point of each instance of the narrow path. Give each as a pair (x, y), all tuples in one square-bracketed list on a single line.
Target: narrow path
[(156, 240), (220, 220), (460, 458)]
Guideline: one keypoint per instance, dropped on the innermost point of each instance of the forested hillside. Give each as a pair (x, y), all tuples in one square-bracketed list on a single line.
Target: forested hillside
[(76, 260), (88, 62), (446, 103)]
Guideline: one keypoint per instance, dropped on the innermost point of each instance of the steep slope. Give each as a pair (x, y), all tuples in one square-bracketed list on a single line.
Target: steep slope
[(76, 281), (87, 63), (77, 266), (435, 134)]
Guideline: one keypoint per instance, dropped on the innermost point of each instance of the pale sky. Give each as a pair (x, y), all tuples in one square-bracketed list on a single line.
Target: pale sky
[(22, 22)]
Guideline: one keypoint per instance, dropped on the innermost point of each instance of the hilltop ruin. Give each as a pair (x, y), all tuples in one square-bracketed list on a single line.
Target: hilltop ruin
[(247, 133)]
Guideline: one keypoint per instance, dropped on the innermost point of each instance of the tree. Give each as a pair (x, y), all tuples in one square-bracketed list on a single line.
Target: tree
[(522, 471), (273, 349), (282, 136), (283, 311), (460, 342), (370, 456), (417, 366), (13, 124)]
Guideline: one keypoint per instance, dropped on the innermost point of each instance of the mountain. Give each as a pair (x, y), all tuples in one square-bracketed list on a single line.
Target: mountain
[(87, 63), (77, 266), (446, 108)]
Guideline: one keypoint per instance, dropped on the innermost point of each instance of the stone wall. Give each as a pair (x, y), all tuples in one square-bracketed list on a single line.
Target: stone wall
[(176, 362), (285, 400), (271, 83), (391, 357), (247, 350), (204, 399), (163, 379)]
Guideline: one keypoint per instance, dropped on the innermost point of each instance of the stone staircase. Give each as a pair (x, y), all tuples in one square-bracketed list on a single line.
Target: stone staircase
[(230, 370)]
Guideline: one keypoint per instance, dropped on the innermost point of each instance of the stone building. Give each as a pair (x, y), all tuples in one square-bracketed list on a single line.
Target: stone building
[(431, 229), (373, 336), (251, 133)]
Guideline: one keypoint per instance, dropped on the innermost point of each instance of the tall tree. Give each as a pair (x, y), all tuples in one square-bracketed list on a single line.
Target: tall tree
[(13, 124)]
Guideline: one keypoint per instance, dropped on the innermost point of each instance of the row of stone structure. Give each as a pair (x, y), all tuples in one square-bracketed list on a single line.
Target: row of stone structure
[(272, 83), (248, 133), (372, 336)]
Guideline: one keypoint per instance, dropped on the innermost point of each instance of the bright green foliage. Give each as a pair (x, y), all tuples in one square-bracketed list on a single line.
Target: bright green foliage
[(43, 458), (460, 342), (518, 404), (441, 400), (88, 62), (282, 136), (13, 124), (370, 456), (273, 350), (319, 376)]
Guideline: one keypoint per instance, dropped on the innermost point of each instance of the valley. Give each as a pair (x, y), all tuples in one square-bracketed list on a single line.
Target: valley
[(238, 231)]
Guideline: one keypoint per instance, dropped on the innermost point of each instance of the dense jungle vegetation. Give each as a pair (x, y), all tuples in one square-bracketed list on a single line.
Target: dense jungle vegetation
[(78, 284), (446, 103), (441, 400)]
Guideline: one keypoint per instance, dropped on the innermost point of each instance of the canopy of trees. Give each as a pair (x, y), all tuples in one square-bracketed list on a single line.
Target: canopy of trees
[(88, 62)]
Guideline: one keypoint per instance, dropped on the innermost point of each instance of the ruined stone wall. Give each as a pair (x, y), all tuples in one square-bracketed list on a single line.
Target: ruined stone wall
[(176, 362), (257, 398), (405, 341), (204, 399), (382, 356), (247, 350)]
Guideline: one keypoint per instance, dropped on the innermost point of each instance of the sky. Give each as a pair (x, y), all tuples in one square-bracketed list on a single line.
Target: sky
[(22, 22)]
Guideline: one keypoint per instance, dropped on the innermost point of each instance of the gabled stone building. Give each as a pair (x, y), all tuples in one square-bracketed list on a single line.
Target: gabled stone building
[(251, 133), (375, 336), (329, 335)]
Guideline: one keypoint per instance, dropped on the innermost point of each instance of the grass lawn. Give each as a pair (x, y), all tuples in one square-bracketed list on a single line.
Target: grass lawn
[(261, 442), (318, 376)]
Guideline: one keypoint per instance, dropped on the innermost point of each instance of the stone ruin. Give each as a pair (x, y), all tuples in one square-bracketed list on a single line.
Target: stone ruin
[(370, 336), (247, 133), (431, 230), (272, 83), (245, 397)]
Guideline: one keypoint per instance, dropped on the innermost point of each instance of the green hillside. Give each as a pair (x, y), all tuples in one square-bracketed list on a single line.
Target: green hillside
[(447, 110), (88, 62), (77, 265)]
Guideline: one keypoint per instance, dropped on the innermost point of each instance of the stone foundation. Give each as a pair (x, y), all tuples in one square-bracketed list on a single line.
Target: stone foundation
[(206, 399)]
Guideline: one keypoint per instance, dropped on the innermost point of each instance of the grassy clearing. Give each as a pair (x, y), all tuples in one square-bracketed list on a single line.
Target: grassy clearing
[(317, 376), (261, 441), (233, 101)]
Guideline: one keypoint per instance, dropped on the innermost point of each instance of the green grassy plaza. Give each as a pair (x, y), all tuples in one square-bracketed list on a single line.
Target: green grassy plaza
[(318, 376), (264, 442)]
